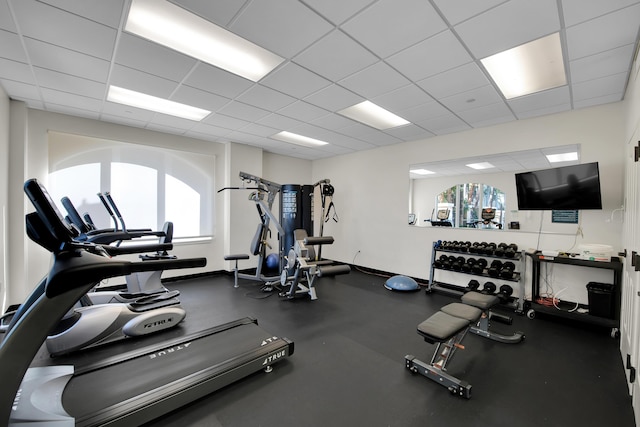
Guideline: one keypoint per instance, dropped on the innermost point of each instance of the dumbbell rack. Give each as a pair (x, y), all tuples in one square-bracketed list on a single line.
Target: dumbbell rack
[(517, 302)]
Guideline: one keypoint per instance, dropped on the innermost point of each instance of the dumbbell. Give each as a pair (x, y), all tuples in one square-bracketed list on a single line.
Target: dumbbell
[(466, 267), (473, 285), (500, 249), (505, 291), (507, 270), (488, 288), (439, 263), (458, 263), (473, 249), (491, 247), (479, 266), (494, 269), (511, 250)]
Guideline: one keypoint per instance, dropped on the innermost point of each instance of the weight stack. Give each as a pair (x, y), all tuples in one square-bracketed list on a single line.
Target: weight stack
[(296, 212)]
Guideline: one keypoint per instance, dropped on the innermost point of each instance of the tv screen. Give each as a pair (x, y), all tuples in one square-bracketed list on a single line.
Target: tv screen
[(563, 188)]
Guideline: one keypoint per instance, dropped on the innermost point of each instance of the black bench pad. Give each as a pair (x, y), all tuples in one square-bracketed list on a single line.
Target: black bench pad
[(464, 311), (441, 326), (236, 257), (482, 301)]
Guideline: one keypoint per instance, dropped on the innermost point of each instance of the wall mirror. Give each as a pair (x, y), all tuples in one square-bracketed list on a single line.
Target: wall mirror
[(478, 192)]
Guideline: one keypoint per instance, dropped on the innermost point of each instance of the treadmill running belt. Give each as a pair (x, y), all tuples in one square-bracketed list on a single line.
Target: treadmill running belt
[(143, 387)]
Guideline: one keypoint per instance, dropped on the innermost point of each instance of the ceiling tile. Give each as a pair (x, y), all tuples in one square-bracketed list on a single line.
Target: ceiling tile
[(540, 100), (172, 122), (10, 47), (460, 79), (334, 98), (404, 98), (243, 111), (577, 11), (487, 115), (461, 10), (335, 56), (71, 111), (199, 98), (374, 80), (544, 111), (602, 64), (420, 112), (6, 18), (127, 112), (206, 129), (107, 13), (218, 12), (409, 133), (472, 99), (71, 84), (294, 80), (512, 24), (141, 54), (603, 86), (432, 56), (227, 122), (45, 55), (139, 81), (65, 98), (441, 125), (285, 27), (302, 111), (165, 129), (598, 100), (264, 97), (337, 11), (399, 24), (46, 23), (19, 90), (607, 32), (278, 121), (259, 130), (16, 71), (217, 81), (332, 122)]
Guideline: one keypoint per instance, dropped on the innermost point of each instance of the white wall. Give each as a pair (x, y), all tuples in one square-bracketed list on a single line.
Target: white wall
[(372, 188), (4, 189), (29, 159)]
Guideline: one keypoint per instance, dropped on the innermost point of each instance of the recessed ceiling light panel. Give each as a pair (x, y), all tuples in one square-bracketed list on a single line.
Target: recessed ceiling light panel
[(294, 138), (160, 105), (171, 26), (421, 171), (373, 115), (562, 157), (480, 166), (528, 68)]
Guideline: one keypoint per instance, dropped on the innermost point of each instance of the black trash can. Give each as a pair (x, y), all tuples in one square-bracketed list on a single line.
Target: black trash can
[(601, 299)]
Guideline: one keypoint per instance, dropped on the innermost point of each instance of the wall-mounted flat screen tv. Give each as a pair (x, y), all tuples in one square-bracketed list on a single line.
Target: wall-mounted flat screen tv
[(563, 188)]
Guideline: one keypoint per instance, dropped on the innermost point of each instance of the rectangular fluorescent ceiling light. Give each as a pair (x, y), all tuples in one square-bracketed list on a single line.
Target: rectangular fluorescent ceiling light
[(294, 138), (370, 114), (159, 105), (528, 68), (480, 166), (171, 26), (421, 171), (562, 157)]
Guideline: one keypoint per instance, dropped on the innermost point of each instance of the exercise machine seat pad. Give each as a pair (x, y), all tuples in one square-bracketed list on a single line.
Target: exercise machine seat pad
[(234, 257), (441, 326), (482, 301), (464, 311)]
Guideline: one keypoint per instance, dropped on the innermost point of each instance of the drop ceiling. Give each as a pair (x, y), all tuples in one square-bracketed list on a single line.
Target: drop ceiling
[(418, 59)]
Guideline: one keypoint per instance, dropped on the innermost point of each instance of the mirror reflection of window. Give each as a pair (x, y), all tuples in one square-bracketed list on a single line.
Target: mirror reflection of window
[(473, 205)]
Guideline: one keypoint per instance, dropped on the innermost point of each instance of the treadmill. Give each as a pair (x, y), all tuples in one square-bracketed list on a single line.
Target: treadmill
[(126, 389)]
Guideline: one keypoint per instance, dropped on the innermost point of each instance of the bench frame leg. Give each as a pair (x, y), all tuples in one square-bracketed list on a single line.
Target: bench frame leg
[(453, 384), (436, 369), (482, 329)]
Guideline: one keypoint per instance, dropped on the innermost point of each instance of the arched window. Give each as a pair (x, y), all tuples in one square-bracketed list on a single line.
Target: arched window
[(149, 185)]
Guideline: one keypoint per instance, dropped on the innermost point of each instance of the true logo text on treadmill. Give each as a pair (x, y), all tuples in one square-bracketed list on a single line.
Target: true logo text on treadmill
[(168, 351), (272, 358)]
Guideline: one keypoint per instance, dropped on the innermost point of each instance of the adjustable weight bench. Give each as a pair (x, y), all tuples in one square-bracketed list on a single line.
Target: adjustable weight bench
[(447, 328)]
